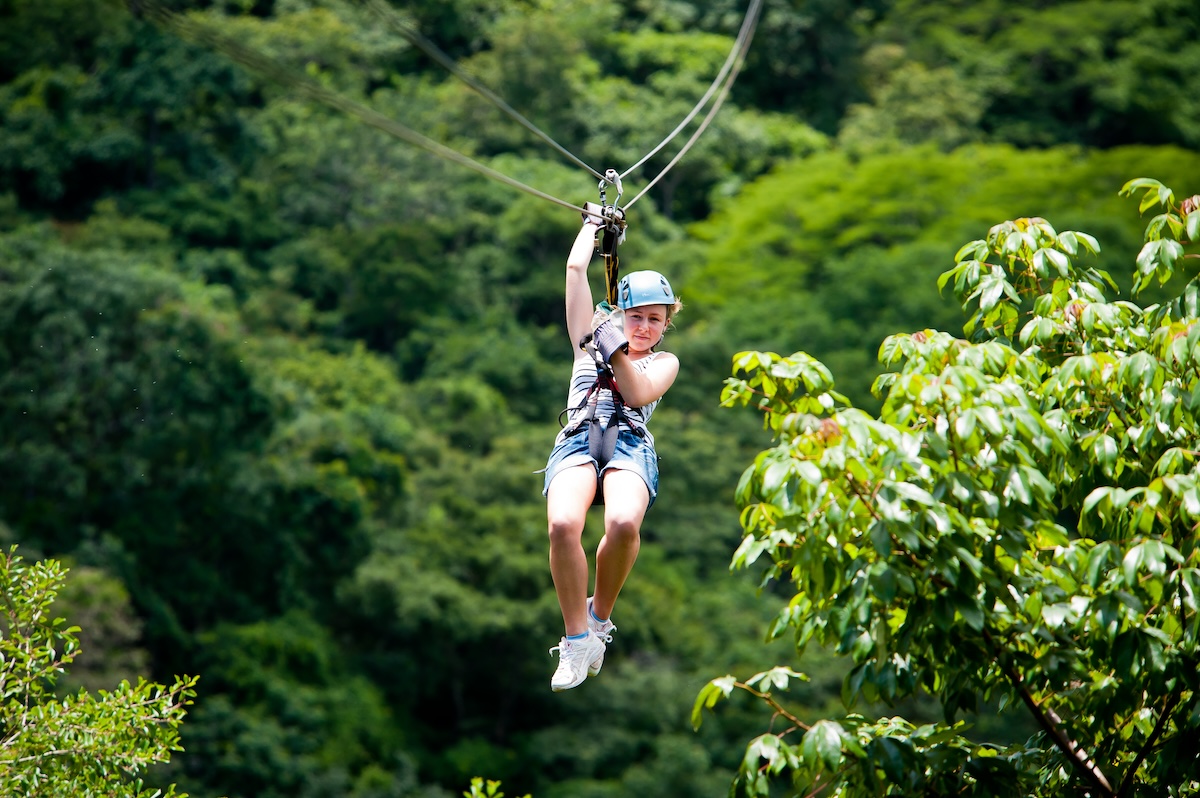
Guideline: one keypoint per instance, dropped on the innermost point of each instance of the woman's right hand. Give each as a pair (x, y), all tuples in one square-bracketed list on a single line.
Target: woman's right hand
[(592, 215), (605, 312)]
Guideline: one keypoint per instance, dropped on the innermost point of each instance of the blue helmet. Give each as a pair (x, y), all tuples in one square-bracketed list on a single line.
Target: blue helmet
[(644, 288)]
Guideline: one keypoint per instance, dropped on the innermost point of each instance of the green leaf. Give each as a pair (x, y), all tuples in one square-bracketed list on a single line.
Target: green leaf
[(977, 249), (1060, 261), (1163, 196), (990, 420), (890, 753), (808, 471), (964, 425), (1149, 183), (1131, 564), (1104, 451), (1089, 242), (991, 289), (1190, 500), (775, 477), (1055, 615), (1017, 487), (709, 695), (822, 744), (763, 747), (881, 539), (1147, 259), (883, 583), (971, 612), (743, 494), (913, 493), (968, 558)]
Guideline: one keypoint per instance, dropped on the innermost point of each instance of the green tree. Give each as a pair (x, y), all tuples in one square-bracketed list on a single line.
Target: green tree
[(1095, 72), (80, 745), (911, 104), (282, 715), (1017, 525)]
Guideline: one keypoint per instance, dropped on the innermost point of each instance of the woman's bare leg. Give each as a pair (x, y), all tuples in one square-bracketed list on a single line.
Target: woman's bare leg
[(625, 501), (571, 493)]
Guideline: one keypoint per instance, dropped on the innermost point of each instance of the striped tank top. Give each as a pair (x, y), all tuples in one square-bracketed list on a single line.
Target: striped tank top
[(583, 376)]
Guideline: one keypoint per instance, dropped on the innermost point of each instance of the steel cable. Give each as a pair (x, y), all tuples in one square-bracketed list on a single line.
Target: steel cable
[(274, 70), (736, 56), (737, 66), (740, 45), (385, 12)]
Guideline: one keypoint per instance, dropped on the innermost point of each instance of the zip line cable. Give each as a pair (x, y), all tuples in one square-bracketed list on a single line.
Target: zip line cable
[(737, 51), (272, 69), (740, 45), (712, 112), (203, 34), (414, 37)]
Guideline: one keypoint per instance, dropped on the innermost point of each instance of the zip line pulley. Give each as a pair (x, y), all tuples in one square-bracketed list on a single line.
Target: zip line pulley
[(612, 221)]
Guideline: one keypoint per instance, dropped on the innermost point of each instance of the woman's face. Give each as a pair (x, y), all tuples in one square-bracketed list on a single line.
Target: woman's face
[(644, 327)]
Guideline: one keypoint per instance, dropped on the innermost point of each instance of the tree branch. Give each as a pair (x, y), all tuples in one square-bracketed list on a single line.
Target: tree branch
[(1159, 727), (1052, 724), (775, 705)]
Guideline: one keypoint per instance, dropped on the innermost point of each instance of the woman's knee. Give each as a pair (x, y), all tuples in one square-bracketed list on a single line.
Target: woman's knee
[(623, 529), (565, 529)]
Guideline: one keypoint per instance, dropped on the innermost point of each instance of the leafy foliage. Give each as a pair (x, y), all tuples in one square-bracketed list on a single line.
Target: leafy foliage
[(1017, 524), (1096, 72), (81, 744)]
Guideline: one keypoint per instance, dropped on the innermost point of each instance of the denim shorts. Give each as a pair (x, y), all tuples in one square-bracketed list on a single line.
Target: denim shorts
[(632, 453)]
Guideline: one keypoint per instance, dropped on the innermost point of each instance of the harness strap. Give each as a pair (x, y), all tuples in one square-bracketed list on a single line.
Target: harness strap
[(614, 233), (612, 264), (601, 445), (602, 441)]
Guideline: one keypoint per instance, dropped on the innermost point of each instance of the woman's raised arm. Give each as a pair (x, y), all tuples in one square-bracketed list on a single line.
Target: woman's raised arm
[(578, 291)]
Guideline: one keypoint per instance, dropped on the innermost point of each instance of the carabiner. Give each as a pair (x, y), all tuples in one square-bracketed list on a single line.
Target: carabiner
[(611, 176)]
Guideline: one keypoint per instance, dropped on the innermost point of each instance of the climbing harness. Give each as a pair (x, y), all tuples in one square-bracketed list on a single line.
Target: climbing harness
[(634, 290), (601, 435)]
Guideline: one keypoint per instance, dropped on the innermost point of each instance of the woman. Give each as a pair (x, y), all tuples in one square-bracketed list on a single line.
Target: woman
[(629, 478)]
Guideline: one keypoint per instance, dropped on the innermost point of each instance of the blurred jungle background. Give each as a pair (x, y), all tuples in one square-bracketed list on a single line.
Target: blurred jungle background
[(276, 384)]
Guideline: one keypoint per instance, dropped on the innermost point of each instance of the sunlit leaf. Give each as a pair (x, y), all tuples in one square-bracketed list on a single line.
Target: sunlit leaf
[(823, 743)]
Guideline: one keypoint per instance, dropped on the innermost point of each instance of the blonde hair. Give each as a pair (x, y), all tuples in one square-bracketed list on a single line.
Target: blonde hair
[(672, 309)]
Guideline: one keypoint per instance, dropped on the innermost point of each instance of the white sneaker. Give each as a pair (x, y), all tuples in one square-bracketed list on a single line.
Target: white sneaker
[(604, 632), (573, 659)]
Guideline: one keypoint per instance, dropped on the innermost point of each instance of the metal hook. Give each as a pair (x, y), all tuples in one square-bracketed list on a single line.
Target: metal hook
[(611, 176)]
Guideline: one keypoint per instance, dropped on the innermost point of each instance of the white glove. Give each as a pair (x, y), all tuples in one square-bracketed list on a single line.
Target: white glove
[(605, 313)]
